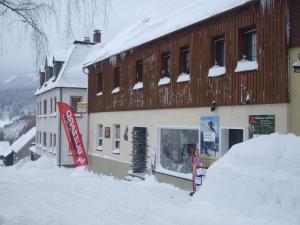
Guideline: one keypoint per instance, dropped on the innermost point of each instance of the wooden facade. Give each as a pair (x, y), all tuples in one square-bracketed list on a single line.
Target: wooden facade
[(267, 85), (294, 8)]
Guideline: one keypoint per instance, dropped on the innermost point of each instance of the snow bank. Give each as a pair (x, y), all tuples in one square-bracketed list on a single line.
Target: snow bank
[(259, 178)]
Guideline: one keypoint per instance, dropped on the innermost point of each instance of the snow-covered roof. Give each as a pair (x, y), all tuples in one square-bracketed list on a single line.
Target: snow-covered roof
[(23, 140), (71, 74), (160, 19), (4, 148)]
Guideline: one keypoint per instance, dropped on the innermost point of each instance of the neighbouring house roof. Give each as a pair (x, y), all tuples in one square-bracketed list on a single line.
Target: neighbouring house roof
[(23, 140), (160, 19), (71, 74), (4, 148)]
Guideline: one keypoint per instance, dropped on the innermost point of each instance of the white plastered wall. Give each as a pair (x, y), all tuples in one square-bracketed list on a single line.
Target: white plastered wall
[(230, 117)]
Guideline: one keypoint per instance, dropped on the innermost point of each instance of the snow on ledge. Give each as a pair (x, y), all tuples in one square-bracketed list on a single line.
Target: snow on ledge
[(183, 77), (138, 86), (116, 90), (99, 94), (296, 64), (216, 71), (246, 65), (116, 151), (164, 80)]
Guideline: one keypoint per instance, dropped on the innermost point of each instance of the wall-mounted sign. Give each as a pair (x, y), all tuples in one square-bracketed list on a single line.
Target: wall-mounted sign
[(261, 125), (107, 132), (81, 107), (209, 135)]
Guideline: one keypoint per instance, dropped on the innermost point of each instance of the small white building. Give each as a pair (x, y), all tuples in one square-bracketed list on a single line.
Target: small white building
[(61, 80)]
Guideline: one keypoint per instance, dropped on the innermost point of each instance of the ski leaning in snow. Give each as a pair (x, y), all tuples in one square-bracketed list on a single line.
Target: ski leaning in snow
[(73, 134), (198, 170)]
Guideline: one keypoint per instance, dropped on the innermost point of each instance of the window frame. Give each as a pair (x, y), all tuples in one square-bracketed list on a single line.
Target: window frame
[(139, 69), (45, 107), (116, 80), (99, 83), (249, 43), (217, 51), (99, 137), (45, 140), (185, 62), (159, 168), (115, 149), (71, 103), (166, 64)]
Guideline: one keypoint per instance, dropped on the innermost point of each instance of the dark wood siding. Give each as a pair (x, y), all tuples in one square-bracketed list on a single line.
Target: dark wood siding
[(269, 84), (294, 8)]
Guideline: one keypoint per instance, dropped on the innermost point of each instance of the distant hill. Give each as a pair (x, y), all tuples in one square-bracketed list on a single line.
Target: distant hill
[(17, 95)]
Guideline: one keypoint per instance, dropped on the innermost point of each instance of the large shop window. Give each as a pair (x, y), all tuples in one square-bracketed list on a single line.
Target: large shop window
[(175, 145)]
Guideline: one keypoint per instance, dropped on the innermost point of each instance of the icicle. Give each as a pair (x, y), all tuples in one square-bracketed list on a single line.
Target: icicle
[(266, 4), (113, 60), (123, 55)]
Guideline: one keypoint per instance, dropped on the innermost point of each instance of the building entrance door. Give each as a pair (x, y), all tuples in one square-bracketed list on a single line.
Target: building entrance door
[(230, 137)]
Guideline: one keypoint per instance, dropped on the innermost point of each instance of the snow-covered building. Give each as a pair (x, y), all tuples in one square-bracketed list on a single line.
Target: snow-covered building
[(61, 80), (194, 74), (19, 149)]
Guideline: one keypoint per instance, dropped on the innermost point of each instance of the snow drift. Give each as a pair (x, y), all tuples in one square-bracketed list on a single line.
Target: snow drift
[(260, 178)]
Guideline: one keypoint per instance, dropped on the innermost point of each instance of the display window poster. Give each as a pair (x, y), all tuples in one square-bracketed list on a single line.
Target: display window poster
[(261, 125), (209, 138)]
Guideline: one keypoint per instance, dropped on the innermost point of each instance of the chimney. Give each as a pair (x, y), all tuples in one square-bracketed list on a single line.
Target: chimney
[(87, 39), (42, 77), (97, 36)]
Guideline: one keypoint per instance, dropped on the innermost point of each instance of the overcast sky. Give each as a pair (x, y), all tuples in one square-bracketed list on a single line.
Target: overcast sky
[(18, 57)]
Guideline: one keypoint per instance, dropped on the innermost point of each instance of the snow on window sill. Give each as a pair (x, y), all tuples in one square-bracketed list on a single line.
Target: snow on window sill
[(183, 77), (116, 90), (53, 114), (164, 80), (216, 71), (99, 148), (246, 65), (116, 151), (78, 115), (99, 94), (138, 86), (44, 148)]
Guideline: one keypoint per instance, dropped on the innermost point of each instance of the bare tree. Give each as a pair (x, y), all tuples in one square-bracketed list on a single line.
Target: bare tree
[(30, 16)]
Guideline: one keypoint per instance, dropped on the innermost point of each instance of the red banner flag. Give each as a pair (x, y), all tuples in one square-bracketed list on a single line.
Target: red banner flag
[(73, 135)]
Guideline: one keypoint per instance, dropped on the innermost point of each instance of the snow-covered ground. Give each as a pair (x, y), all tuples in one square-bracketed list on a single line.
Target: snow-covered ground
[(256, 183)]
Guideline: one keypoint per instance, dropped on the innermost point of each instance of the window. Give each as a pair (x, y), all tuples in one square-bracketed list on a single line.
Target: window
[(37, 108), (219, 48), (117, 77), (185, 60), (74, 100), (54, 140), (55, 104), (99, 83), (175, 149), (116, 139), (139, 71), (45, 107), (99, 140), (166, 65), (51, 105), (50, 141), (44, 139), (249, 44), (40, 108)]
